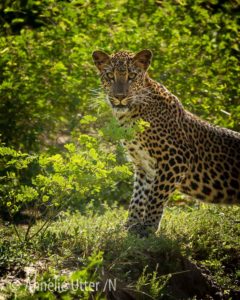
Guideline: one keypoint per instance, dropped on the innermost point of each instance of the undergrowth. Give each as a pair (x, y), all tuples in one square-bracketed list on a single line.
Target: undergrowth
[(95, 247)]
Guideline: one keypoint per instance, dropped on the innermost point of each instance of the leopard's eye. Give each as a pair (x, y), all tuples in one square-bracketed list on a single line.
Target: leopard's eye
[(132, 75), (110, 75)]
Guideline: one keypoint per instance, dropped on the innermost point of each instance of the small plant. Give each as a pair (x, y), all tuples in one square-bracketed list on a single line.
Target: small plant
[(41, 186), (152, 284)]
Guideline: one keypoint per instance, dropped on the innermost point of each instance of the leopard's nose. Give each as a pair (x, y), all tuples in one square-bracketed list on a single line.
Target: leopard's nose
[(120, 96)]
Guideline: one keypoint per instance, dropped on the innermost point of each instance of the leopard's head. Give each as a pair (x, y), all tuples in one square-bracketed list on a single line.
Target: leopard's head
[(123, 76)]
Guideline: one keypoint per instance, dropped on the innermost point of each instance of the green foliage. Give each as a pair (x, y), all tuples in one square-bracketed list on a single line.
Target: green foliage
[(12, 254), (114, 132), (48, 81), (46, 184)]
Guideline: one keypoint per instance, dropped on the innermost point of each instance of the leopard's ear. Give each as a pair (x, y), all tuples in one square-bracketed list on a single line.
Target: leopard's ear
[(143, 59), (100, 59)]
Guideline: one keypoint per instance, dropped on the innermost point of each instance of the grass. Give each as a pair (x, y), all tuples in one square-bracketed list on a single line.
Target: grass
[(200, 243)]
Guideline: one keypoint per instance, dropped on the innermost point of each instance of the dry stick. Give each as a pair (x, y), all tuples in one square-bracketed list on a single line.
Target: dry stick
[(28, 230), (31, 222), (17, 233), (36, 233), (15, 228), (47, 222)]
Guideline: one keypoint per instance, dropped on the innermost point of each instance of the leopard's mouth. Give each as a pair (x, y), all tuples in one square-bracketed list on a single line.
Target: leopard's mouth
[(118, 105)]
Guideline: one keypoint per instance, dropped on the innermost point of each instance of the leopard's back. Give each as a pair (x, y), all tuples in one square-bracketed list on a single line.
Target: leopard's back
[(214, 173)]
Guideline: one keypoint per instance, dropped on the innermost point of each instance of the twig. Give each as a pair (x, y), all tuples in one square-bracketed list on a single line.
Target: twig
[(17, 233)]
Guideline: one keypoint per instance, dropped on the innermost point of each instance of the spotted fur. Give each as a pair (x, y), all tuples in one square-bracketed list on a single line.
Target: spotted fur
[(177, 151)]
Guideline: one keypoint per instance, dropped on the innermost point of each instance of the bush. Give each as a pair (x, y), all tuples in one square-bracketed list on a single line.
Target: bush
[(43, 185)]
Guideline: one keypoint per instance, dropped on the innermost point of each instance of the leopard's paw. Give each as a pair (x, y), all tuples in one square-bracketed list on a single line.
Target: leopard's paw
[(137, 229)]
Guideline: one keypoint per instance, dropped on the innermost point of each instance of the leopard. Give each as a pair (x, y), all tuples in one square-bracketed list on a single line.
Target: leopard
[(176, 151)]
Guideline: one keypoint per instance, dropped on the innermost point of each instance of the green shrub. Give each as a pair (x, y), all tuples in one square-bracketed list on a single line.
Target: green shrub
[(43, 185)]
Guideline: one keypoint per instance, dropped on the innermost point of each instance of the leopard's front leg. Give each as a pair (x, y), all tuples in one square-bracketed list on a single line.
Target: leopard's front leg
[(158, 197), (164, 184), (137, 207)]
